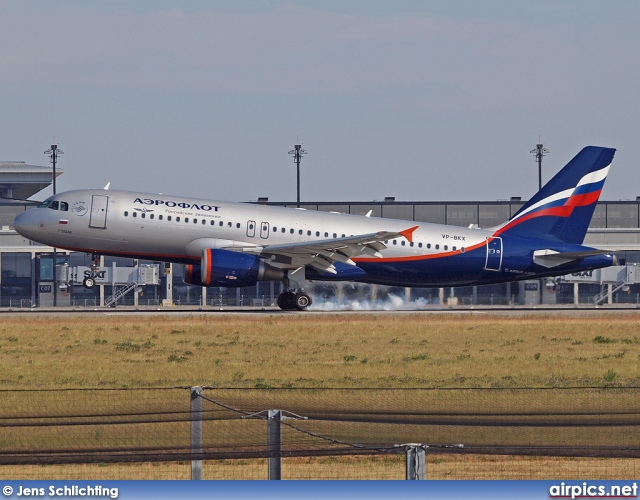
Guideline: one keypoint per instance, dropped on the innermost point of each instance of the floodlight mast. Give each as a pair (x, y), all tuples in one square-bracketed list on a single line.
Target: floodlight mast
[(539, 152), (297, 156), (53, 154)]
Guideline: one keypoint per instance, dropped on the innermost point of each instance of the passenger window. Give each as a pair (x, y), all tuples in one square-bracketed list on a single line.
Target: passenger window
[(299, 231), (428, 245), (283, 230), (177, 219), (213, 223), (159, 217), (437, 247), (274, 229), (395, 242), (326, 235), (238, 225), (204, 222), (195, 221), (335, 235), (221, 224), (250, 226), (461, 249), (64, 206), (151, 216), (126, 214), (420, 245), (143, 215), (453, 248), (308, 233), (135, 214), (446, 247), (291, 230), (403, 242), (411, 244), (169, 218), (317, 233)]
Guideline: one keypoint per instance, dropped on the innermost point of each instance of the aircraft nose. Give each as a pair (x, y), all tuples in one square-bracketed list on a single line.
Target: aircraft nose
[(25, 223)]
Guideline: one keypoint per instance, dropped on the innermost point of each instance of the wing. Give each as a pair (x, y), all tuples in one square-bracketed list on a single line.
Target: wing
[(321, 254)]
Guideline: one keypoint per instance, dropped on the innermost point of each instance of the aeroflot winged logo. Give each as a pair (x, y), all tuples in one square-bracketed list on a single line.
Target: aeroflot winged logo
[(174, 204), (79, 208)]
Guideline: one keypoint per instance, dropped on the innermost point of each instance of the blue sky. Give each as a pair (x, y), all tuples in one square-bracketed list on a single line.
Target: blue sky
[(420, 100)]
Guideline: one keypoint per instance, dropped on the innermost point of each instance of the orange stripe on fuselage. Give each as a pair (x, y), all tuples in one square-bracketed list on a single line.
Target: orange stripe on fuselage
[(418, 257)]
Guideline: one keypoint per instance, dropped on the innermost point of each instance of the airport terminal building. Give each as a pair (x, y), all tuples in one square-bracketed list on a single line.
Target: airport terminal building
[(29, 277)]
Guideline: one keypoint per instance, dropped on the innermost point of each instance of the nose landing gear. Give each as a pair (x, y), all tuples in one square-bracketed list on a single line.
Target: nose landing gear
[(90, 281)]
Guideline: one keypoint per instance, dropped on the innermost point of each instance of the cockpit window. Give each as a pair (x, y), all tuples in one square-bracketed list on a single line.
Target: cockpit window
[(54, 205), (45, 203)]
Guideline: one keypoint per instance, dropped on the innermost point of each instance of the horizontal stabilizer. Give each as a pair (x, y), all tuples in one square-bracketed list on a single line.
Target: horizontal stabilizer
[(552, 258)]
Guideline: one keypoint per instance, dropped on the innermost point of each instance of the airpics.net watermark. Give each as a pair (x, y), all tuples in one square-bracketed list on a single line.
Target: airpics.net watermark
[(61, 491), (588, 490)]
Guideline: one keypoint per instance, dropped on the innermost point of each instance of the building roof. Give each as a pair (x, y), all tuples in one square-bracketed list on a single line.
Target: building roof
[(21, 181)]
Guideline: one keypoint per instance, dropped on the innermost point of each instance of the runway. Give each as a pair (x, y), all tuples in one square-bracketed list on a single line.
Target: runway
[(569, 310)]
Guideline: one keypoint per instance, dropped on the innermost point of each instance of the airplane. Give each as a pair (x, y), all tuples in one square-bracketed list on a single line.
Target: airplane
[(239, 244)]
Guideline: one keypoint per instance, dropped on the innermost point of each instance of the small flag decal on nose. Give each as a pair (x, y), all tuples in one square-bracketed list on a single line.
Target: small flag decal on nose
[(63, 221)]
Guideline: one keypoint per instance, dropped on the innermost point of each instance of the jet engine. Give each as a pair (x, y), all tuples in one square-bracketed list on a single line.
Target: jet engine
[(230, 269)]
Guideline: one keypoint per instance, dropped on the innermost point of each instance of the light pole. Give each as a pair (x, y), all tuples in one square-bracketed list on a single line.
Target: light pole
[(53, 154), (297, 156), (539, 152)]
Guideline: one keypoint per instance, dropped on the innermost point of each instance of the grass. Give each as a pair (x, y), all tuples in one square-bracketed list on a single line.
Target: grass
[(461, 467), (319, 351), (324, 351)]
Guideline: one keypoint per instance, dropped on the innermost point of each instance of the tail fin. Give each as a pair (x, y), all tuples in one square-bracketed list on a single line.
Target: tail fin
[(563, 208)]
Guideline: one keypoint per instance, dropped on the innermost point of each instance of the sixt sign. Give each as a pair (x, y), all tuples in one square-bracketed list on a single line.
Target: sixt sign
[(174, 204)]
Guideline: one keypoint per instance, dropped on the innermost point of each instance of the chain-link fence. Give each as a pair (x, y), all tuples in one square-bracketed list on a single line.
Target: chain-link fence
[(323, 433)]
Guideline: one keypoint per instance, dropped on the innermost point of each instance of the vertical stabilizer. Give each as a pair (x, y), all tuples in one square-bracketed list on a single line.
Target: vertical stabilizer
[(563, 208)]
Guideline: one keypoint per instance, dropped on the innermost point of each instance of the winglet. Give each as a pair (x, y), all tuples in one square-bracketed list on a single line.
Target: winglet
[(408, 233)]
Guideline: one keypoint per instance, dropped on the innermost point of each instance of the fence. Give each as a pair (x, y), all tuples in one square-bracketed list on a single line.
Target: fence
[(158, 425)]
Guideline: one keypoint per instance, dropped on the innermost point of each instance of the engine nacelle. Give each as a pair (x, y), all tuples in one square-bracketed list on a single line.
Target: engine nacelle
[(230, 269), (344, 272)]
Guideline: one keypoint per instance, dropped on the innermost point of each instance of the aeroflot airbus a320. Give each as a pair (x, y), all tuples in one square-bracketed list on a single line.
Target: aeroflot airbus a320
[(238, 244)]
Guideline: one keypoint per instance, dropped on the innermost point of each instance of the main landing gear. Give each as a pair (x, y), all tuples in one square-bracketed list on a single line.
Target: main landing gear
[(90, 281), (293, 297), (290, 300)]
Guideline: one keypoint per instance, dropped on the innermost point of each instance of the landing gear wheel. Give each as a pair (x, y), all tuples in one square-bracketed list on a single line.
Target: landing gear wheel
[(301, 301), (89, 283), (286, 301)]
